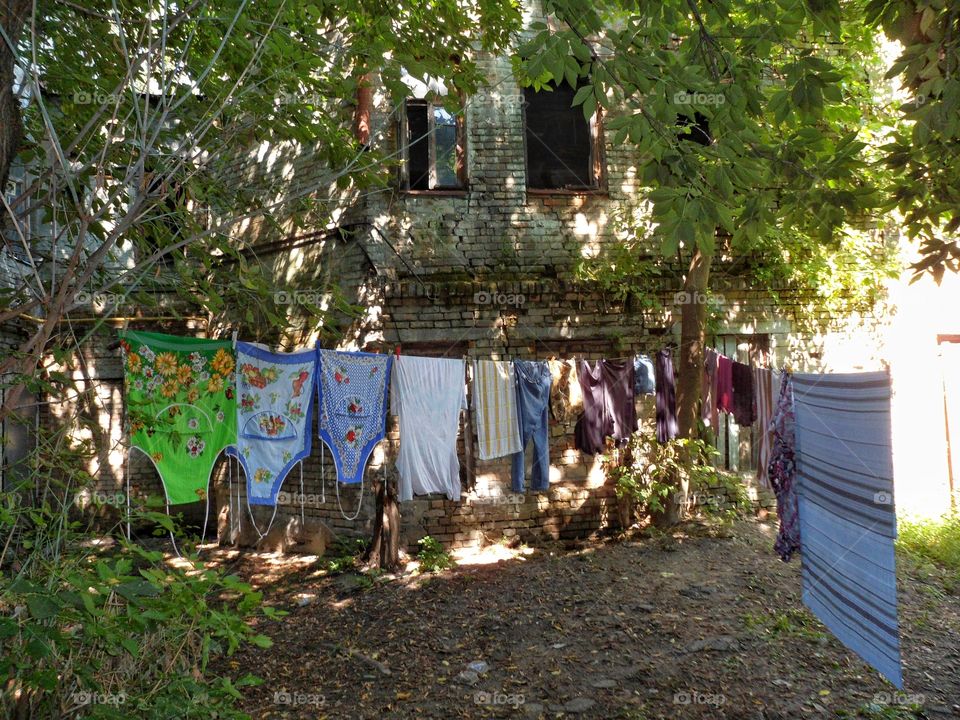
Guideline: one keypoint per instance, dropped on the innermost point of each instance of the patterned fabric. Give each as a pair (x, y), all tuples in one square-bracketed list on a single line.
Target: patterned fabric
[(566, 397), (763, 386), (667, 428), (847, 517), (495, 406), (273, 416), (781, 471), (181, 408), (352, 389), (428, 395)]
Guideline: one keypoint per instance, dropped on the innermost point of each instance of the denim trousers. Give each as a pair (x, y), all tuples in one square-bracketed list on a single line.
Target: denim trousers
[(533, 404)]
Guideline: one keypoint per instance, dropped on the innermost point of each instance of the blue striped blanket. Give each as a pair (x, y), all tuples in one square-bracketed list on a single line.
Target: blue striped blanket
[(847, 519)]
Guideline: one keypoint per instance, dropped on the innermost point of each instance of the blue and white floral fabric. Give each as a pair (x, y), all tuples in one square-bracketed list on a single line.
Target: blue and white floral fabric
[(275, 397), (352, 392)]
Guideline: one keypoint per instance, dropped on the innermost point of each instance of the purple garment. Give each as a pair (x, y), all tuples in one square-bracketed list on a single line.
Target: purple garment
[(666, 398), (782, 472), (608, 407), (744, 412), (724, 383)]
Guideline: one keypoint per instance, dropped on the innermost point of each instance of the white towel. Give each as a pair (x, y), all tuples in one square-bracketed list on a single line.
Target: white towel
[(495, 406), (428, 395)]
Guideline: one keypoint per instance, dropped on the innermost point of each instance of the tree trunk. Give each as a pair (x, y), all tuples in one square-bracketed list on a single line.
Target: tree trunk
[(693, 324), (384, 551), (13, 16)]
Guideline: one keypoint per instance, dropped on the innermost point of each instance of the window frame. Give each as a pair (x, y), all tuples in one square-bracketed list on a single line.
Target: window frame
[(598, 163), (403, 132)]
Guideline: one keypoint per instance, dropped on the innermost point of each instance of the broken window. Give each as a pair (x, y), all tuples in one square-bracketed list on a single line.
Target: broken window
[(563, 148), (434, 147)]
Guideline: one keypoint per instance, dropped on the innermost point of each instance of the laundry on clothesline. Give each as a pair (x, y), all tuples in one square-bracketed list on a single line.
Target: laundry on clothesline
[(725, 384), (274, 403), (764, 400), (708, 408), (533, 402), (782, 471), (667, 427), (181, 407), (847, 519), (644, 380), (744, 412), (428, 394), (495, 408), (608, 404), (566, 397)]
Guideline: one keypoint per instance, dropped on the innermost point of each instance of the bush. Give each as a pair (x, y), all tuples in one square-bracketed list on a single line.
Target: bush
[(648, 472), (432, 556), (116, 632)]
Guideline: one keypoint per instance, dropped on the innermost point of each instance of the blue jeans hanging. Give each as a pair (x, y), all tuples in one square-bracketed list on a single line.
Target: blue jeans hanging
[(533, 404)]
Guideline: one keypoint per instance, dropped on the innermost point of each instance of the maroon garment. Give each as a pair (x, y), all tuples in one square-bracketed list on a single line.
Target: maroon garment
[(724, 383), (744, 412), (608, 407)]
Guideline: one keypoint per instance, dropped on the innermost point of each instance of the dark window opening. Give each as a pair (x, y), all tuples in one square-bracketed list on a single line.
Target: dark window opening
[(562, 145), (434, 147), (697, 130)]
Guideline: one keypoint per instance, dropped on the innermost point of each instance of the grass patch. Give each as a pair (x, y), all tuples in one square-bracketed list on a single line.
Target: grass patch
[(936, 541)]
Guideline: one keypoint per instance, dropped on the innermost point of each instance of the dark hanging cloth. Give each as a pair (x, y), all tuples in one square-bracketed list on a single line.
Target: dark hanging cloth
[(782, 472), (618, 388), (608, 407), (724, 384), (666, 398), (588, 433), (744, 411)]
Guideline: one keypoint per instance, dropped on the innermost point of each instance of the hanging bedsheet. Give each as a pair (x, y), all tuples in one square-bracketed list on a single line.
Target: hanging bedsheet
[(352, 389), (847, 519), (181, 408), (273, 416)]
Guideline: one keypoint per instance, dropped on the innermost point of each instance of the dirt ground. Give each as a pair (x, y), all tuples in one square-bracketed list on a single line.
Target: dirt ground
[(696, 624)]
